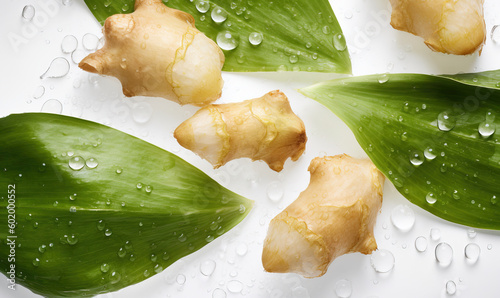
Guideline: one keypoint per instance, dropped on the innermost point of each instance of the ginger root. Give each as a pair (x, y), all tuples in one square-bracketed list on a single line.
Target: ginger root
[(157, 51), (448, 26), (263, 128), (335, 215)]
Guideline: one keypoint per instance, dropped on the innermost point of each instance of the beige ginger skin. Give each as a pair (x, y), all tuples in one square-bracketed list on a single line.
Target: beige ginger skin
[(263, 128), (335, 215), (157, 51), (448, 26)]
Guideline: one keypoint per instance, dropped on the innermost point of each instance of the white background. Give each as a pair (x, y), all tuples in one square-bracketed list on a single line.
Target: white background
[(375, 48)]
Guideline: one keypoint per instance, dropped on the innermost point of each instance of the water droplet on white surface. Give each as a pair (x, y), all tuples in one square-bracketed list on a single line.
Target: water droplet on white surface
[(142, 111), (472, 252), (59, 67), (275, 191), (382, 260), (28, 12), (207, 267), (451, 287), (234, 286), (421, 244), (444, 254), (39, 92), (343, 288), (219, 293), (403, 217), (78, 56), (53, 106), (90, 42), (435, 234), (495, 34), (181, 279), (241, 249), (471, 233), (69, 44)]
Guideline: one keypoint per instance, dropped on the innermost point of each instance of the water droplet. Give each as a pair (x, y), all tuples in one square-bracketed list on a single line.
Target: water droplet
[(293, 59), (36, 262), (495, 34), (76, 163), (39, 92), (53, 106), (255, 38), (114, 277), (430, 198), (348, 14), (78, 56), (435, 234), (142, 112), (91, 163), (139, 185), (42, 248), (417, 158), (241, 249), (489, 246), (219, 15), (451, 287), (72, 209), (101, 225), (339, 42), (219, 293), (444, 254), (486, 129), (343, 288), (122, 252), (383, 78), (148, 189), (67, 2), (234, 286), (72, 239), (403, 217), (242, 209), (382, 260), (182, 238), (28, 12), (202, 6), (472, 252), (90, 42), (207, 267), (421, 244), (227, 40), (59, 67), (209, 238), (446, 121), (471, 233), (69, 44), (275, 191), (181, 279), (105, 268), (108, 232), (493, 200), (429, 153)]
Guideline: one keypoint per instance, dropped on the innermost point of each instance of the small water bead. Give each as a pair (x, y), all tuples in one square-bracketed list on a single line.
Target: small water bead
[(348, 14), (182, 238), (471, 233), (446, 121), (108, 232), (227, 40), (343, 288), (242, 209), (148, 189), (72, 209), (234, 286), (382, 260), (142, 112), (105, 268), (241, 249), (493, 200), (421, 244), (42, 248), (275, 191), (58, 68), (293, 59), (67, 2), (255, 38), (486, 129), (435, 234), (430, 198), (451, 287), (78, 56), (444, 254), (39, 92), (76, 163), (489, 247), (219, 293), (429, 153), (417, 158), (72, 239), (101, 225), (339, 42), (53, 106), (91, 163), (36, 262), (28, 12), (207, 267), (69, 44), (122, 252), (495, 34), (218, 14), (90, 42), (202, 6), (383, 78), (403, 217), (139, 185), (472, 252), (114, 277), (181, 279)]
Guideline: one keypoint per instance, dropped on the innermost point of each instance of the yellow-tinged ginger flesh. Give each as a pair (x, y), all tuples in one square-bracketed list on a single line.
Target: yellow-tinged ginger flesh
[(335, 215), (263, 128), (157, 51), (448, 26)]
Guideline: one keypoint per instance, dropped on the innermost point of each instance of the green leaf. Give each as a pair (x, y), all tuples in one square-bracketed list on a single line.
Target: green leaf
[(489, 79), (97, 209), (297, 34), (429, 136)]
